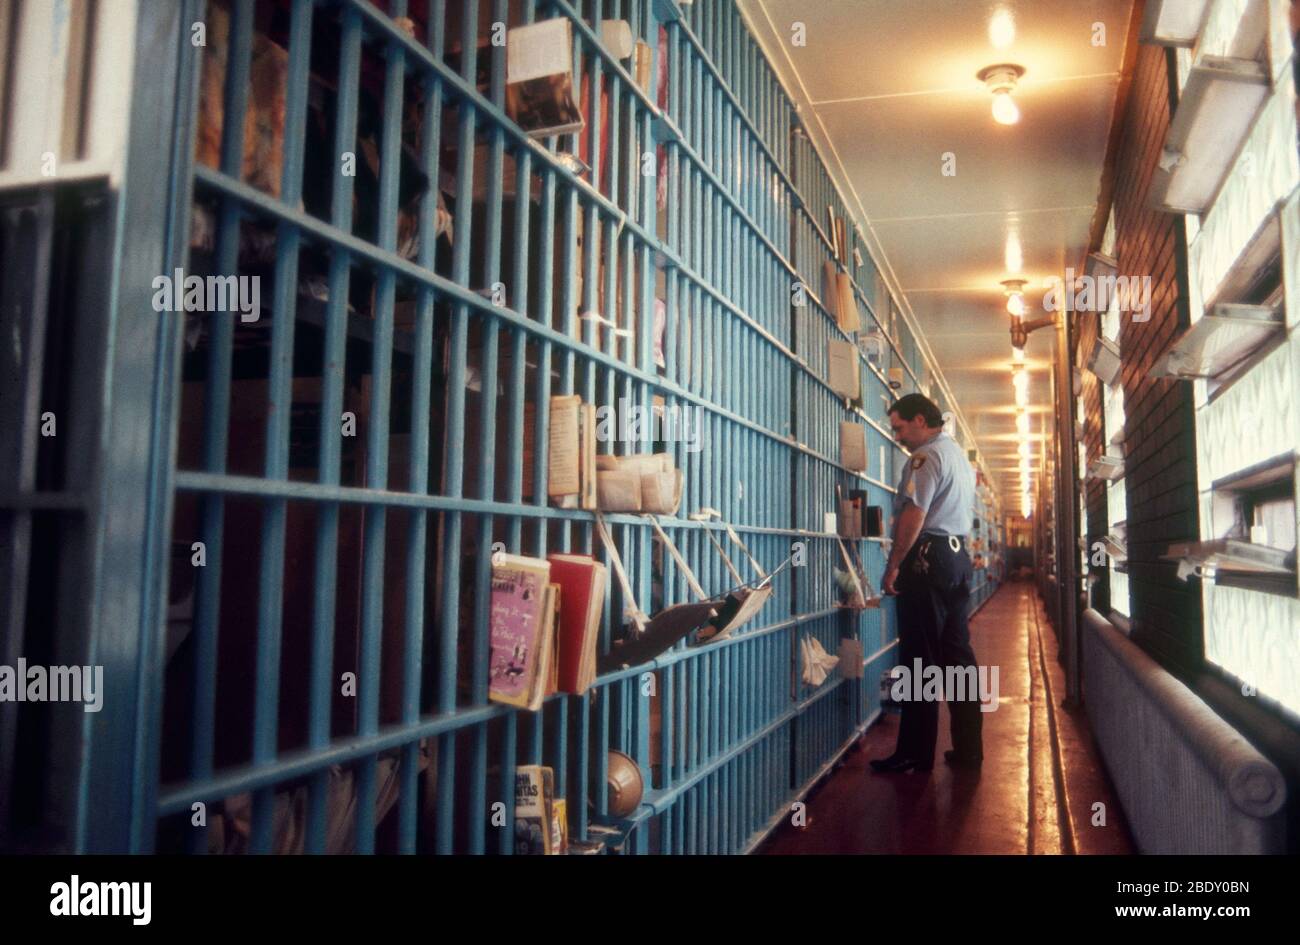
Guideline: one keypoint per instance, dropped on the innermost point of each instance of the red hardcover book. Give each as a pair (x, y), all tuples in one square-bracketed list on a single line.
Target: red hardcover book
[(582, 599)]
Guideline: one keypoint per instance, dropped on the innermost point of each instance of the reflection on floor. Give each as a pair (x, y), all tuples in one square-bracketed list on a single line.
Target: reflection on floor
[(1036, 793)]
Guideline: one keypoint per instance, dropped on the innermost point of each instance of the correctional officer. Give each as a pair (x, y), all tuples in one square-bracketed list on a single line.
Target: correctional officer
[(930, 572)]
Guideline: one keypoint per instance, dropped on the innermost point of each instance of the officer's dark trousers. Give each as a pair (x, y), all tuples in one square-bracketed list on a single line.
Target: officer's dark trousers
[(933, 597)]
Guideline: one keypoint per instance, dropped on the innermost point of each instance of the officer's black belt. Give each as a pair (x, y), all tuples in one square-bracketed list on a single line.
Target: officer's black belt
[(955, 542)]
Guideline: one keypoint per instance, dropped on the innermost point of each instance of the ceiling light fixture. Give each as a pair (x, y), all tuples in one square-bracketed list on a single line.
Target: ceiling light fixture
[(1001, 80), (1002, 28), (1014, 289)]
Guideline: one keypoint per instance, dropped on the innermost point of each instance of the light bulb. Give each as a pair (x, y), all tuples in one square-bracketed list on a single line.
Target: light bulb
[(1018, 355), (1022, 397), (1022, 423), (1016, 304), (1005, 111), (1023, 450)]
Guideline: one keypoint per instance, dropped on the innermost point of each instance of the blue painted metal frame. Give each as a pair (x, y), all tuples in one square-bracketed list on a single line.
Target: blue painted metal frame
[(739, 735), (130, 506)]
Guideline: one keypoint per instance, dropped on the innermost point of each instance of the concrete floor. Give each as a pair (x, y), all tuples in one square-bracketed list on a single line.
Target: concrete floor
[(1036, 792)]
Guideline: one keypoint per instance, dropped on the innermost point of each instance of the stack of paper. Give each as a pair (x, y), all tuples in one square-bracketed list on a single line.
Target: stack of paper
[(817, 663), (853, 445), (844, 376), (646, 482)]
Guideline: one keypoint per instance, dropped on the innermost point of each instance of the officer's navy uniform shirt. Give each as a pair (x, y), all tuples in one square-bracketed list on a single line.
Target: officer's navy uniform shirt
[(939, 480)]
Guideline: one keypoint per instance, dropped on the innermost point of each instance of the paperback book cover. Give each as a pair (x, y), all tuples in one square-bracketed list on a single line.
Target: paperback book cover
[(534, 785), (519, 596)]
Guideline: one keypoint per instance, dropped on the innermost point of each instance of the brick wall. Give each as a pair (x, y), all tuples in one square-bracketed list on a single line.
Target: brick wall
[(1160, 429)]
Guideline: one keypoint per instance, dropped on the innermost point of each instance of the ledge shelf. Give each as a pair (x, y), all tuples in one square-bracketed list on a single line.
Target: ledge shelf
[(1172, 22), (1232, 562), (1104, 360), (1107, 466), (1115, 548), (1220, 341), (1214, 115)]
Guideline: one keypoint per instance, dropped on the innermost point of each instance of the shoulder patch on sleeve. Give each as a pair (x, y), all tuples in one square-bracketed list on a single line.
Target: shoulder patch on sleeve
[(918, 461)]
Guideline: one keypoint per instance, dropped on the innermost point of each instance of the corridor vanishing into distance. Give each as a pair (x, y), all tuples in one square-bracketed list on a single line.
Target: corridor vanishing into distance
[(1034, 793)]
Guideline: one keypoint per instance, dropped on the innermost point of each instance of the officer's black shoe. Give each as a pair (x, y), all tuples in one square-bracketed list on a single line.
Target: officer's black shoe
[(961, 761), (897, 764)]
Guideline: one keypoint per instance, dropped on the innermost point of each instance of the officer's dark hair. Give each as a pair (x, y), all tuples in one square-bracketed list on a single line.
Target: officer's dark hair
[(910, 406)]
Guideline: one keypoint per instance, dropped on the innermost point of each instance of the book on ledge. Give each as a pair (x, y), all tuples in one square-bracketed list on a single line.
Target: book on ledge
[(535, 811), (582, 580), (521, 631), (570, 451)]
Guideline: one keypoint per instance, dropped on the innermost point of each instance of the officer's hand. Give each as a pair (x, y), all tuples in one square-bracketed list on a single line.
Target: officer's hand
[(891, 575)]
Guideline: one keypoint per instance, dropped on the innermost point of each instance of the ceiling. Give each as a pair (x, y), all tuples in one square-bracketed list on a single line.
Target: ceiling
[(887, 89)]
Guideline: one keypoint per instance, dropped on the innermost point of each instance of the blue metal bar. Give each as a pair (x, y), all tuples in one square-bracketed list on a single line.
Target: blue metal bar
[(376, 520), (331, 441), (279, 396), (421, 399), (487, 425), (216, 404)]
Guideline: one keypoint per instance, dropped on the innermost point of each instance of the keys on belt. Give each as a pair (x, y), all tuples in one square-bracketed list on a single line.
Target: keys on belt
[(954, 541), (920, 552)]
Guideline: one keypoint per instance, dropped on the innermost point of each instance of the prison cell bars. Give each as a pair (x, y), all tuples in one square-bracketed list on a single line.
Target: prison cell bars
[(738, 232)]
